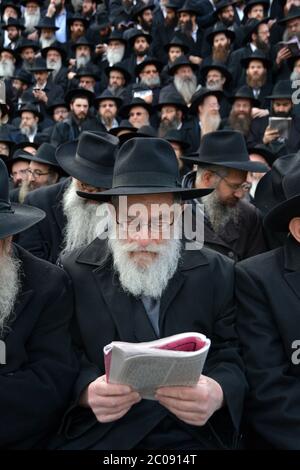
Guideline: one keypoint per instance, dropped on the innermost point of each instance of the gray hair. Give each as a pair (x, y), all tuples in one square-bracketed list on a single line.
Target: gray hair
[(219, 170)]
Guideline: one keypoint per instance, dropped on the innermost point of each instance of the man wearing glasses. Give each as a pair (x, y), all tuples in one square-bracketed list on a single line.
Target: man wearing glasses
[(232, 225)]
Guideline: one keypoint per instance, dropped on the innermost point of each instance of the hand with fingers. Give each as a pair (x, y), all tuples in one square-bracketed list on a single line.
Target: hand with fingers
[(109, 402)]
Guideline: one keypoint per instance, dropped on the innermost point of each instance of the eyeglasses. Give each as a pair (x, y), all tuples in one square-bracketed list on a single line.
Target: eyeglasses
[(36, 173), (20, 172), (138, 113), (133, 225), (245, 187)]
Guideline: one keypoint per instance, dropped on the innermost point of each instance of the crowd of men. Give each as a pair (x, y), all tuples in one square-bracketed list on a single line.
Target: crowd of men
[(166, 102)]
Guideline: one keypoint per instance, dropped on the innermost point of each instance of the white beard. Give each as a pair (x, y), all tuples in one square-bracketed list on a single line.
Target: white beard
[(31, 19), (82, 61), (149, 281), (115, 55), (210, 123), (55, 65), (186, 87), (29, 130), (151, 81), (7, 68), (77, 4), (47, 42), (84, 220), (9, 286)]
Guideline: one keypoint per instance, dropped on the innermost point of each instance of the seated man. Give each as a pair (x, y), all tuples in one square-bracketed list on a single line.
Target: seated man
[(139, 285), (268, 291), (37, 364)]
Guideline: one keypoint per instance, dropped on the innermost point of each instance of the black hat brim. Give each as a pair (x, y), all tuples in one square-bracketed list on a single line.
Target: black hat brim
[(76, 92), (230, 34), (125, 73), (65, 155), (264, 198), (279, 217), (194, 106), (254, 167), (22, 218), (106, 196), (223, 70)]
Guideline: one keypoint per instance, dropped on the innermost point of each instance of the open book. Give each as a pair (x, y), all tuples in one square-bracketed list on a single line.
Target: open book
[(173, 361), (293, 45), (282, 124)]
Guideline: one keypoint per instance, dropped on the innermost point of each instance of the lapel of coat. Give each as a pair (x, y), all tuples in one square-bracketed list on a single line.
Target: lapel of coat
[(57, 207), (292, 265), (21, 303)]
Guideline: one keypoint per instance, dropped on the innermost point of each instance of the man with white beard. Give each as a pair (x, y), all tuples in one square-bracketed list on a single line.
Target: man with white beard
[(7, 63), (72, 222), (83, 52), (232, 226), (115, 48), (55, 57), (185, 79), (46, 29), (141, 284), (32, 16), (36, 306)]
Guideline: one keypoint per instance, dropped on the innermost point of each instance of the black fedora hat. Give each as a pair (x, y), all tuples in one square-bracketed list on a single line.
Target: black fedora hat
[(26, 143), (146, 166), (144, 131), (13, 52), (55, 46), (134, 33), (251, 27), (124, 126), (12, 4), (282, 90), (77, 17), (90, 159), (216, 65), (225, 148), (107, 95), (251, 3), (82, 41), (119, 67), (171, 99), (176, 41), (189, 7), (140, 7), (124, 111), (19, 155), (200, 95), (224, 4), (181, 61), (257, 55), (14, 22), (294, 12), (30, 108), (14, 218), (116, 35), (45, 154), (40, 65), (279, 217), (264, 151), (25, 43), (46, 23), (79, 93), (56, 103), (23, 76), (87, 71), (245, 93), (269, 192), (220, 28), (175, 135), (148, 61)]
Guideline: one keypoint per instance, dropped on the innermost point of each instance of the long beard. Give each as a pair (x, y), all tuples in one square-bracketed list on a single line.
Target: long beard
[(289, 35), (219, 214), (186, 28), (262, 46), (31, 19), (47, 42), (29, 130), (221, 53), (186, 87), (7, 68), (256, 82), (151, 280), (82, 61), (210, 123), (239, 123), (115, 55), (55, 65), (9, 287), (151, 81), (85, 221), (167, 125), (214, 85)]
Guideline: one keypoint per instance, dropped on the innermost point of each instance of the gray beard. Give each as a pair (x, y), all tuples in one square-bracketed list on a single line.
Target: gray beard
[(151, 81), (167, 125), (114, 56), (31, 20), (77, 5), (29, 130), (219, 214), (47, 42), (186, 87), (82, 61), (287, 36), (9, 287), (56, 66), (214, 85), (7, 69), (210, 123), (84, 220), (152, 280)]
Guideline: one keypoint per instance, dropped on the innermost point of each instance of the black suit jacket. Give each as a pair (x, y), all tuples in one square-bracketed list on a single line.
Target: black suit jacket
[(45, 238), (36, 381), (268, 292), (192, 301)]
